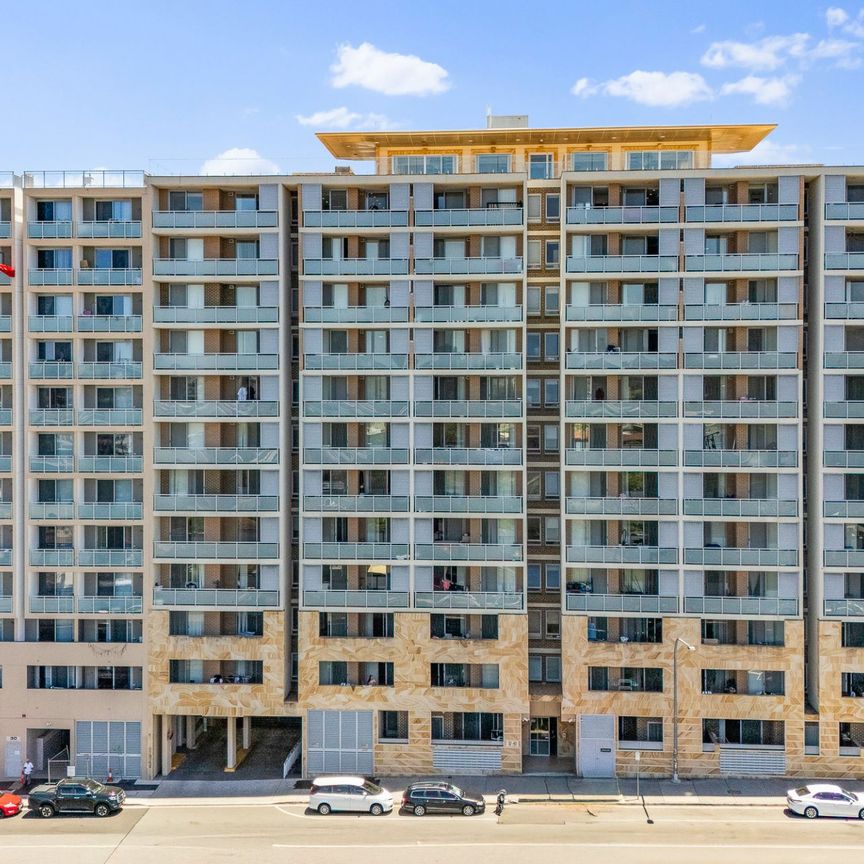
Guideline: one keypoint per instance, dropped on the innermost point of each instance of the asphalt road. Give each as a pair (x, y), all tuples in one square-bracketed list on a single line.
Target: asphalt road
[(551, 834)]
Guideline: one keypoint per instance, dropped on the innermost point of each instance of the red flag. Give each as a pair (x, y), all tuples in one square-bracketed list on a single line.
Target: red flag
[(7, 269)]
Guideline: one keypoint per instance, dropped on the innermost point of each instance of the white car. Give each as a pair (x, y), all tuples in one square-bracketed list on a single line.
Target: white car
[(352, 794), (823, 799)]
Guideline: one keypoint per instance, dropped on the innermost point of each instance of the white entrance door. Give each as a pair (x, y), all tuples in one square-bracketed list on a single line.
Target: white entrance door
[(597, 745), (14, 757)]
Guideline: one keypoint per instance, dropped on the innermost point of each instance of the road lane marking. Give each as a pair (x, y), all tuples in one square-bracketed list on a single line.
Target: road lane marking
[(646, 845), (287, 813)]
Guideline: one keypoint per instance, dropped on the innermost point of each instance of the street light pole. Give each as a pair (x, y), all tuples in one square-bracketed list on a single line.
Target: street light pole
[(678, 641)]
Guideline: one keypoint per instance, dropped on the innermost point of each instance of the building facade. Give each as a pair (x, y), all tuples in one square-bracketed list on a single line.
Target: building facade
[(485, 461)]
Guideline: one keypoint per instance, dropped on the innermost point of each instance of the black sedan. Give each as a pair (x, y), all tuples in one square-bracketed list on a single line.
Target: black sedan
[(423, 798)]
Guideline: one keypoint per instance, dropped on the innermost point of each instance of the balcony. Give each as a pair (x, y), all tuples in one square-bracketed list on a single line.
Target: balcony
[(41, 370), (742, 360), (622, 555), (217, 598), (110, 557), (218, 408), (742, 262), (120, 510), (621, 312), (6, 463), (216, 456), (621, 506), (844, 409), (845, 211), (480, 217), (506, 601), (352, 362), (355, 219), (356, 599), (215, 362), (5, 229), (622, 457), (215, 219), (361, 551), (844, 359), (51, 417), (50, 323), (52, 605), (356, 503), (467, 314), (216, 314), (108, 276), (618, 408), (5, 509), (229, 267), (110, 417), (52, 510), (116, 230), (355, 314), (355, 408), (480, 408), (60, 230), (733, 556), (6, 417), (466, 266), (203, 550), (714, 213), (355, 266), (110, 605), (356, 456), (126, 370), (215, 503), (621, 360), (468, 456), (740, 606), (843, 458), (110, 464), (6, 557), (5, 323), (648, 215), (51, 557), (759, 508), (5, 370), (641, 603), (742, 312), (842, 509), (52, 464), (109, 323), (5, 603), (478, 504), (741, 458), (467, 360), (49, 276), (847, 608), (844, 260), (622, 264), (741, 408), (468, 551)]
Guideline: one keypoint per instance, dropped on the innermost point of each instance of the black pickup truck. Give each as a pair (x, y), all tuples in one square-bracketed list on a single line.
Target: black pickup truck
[(75, 795)]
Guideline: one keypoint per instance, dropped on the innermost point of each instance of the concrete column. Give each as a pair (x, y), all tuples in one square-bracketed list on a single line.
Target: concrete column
[(247, 733), (167, 736), (231, 737), (191, 731)]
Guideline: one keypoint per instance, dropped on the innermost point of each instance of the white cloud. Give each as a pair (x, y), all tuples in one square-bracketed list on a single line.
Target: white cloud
[(765, 91), (386, 72), (657, 89), (343, 118), (764, 54), (699, 28), (766, 152), (239, 160), (835, 17)]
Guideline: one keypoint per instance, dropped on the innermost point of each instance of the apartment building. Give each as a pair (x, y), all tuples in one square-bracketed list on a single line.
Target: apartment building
[(492, 459)]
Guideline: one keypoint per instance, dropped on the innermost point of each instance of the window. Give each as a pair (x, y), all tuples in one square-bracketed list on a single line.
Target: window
[(551, 388), (589, 161), (424, 164), (550, 345), (532, 438), (551, 298), (552, 530), (535, 208), (553, 668), (550, 437), (533, 485), (552, 254), (532, 392), (534, 251), (535, 667), (534, 300), (393, 725), (532, 346), (553, 207), (541, 166), (493, 163), (535, 624), (660, 160), (553, 624), (533, 571), (553, 577)]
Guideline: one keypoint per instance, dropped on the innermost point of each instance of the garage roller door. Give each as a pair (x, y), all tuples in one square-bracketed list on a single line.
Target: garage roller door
[(339, 742)]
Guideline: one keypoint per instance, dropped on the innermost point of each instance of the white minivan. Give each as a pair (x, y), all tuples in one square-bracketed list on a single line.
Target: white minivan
[(354, 794)]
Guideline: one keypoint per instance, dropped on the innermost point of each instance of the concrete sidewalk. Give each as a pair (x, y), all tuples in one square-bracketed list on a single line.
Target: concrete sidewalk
[(523, 789)]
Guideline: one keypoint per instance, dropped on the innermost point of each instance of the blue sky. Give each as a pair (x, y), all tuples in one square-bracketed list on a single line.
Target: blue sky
[(243, 85)]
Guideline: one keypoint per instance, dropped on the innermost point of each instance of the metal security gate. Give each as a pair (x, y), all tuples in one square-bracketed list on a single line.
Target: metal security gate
[(597, 745), (741, 762), (339, 742), (467, 760), (101, 747)]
